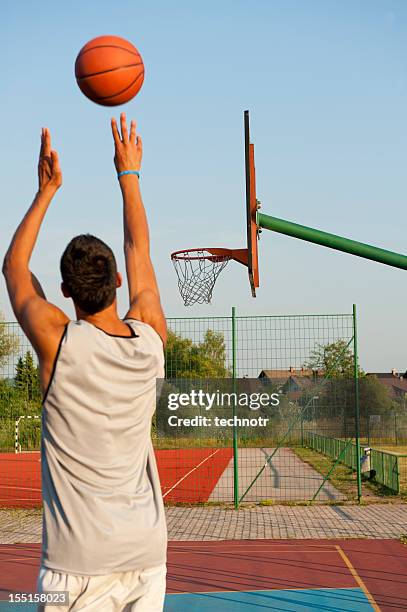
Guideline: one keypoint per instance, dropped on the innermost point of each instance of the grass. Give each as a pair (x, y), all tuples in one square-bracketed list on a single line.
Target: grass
[(167, 443), (343, 478), (392, 449)]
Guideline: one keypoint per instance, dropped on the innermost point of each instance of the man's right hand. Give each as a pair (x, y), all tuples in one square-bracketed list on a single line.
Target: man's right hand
[(128, 149), (144, 296)]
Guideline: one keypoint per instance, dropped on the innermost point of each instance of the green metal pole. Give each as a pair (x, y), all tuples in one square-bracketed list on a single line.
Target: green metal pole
[(332, 241), (357, 416), (368, 429), (326, 477), (235, 454)]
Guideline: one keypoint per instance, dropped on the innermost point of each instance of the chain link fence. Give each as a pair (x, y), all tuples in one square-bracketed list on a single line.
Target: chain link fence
[(311, 447)]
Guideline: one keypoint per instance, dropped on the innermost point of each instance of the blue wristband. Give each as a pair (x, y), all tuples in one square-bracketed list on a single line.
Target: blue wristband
[(119, 174)]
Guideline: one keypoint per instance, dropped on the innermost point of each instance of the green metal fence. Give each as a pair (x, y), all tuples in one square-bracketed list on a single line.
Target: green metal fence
[(285, 353), (323, 415), (387, 466)]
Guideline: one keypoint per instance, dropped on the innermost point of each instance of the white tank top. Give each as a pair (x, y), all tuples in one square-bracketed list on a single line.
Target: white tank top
[(103, 508)]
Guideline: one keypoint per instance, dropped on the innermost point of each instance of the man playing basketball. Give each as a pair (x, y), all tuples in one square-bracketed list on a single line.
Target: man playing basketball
[(104, 532)]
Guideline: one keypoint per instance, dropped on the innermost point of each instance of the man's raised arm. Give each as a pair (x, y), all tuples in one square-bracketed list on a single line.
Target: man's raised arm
[(144, 296), (41, 321)]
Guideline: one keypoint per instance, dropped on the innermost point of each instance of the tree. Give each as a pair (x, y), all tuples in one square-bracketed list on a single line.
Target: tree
[(9, 342), (336, 395), (374, 397), (210, 356), (335, 360), (177, 355), (205, 359), (27, 377), (19, 378)]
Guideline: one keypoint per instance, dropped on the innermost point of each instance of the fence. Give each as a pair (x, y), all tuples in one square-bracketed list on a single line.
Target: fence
[(387, 466), (286, 355), (308, 361)]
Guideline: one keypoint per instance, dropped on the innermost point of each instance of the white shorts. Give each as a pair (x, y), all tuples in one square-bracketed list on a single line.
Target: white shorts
[(133, 591)]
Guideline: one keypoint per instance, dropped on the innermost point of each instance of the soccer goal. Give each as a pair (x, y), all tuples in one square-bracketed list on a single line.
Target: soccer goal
[(27, 434)]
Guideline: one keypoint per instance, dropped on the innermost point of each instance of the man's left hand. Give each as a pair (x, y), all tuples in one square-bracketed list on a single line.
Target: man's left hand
[(49, 171)]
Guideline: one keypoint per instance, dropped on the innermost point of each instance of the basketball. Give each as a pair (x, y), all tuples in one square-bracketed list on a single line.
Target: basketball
[(109, 70)]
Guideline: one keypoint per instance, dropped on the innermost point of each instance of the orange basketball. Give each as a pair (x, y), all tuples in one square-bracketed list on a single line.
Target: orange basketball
[(109, 70)]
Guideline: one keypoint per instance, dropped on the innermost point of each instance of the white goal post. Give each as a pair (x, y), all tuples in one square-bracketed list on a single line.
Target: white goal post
[(17, 445)]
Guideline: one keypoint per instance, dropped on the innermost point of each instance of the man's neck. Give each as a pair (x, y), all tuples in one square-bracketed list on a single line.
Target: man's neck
[(105, 318)]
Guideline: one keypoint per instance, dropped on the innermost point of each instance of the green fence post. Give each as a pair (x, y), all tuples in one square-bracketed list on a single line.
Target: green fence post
[(357, 416), (235, 454), (368, 428)]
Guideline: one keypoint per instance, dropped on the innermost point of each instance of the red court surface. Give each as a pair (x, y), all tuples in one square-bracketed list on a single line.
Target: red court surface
[(187, 475), (20, 480), (191, 474), (375, 568)]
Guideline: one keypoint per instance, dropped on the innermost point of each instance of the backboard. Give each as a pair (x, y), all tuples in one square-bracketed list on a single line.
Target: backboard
[(251, 208), (198, 269)]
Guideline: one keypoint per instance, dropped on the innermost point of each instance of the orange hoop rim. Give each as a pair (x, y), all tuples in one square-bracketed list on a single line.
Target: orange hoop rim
[(214, 254)]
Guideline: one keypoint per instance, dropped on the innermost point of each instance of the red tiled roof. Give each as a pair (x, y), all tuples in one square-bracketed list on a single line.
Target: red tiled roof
[(284, 374), (397, 383)]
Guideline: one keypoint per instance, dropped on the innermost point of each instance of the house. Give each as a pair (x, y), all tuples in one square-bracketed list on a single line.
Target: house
[(295, 382), (395, 382)]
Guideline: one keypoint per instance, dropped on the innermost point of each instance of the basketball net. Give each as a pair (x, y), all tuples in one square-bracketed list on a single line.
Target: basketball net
[(197, 271)]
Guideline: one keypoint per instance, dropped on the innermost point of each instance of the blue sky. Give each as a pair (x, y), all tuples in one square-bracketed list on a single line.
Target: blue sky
[(326, 85)]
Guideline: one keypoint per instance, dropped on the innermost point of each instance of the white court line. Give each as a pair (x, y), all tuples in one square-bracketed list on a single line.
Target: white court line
[(190, 472), (226, 544), (267, 590), (266, 550)]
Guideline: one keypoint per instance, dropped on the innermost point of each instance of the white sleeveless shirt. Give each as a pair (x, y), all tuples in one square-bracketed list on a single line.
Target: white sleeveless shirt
[(103, 508)]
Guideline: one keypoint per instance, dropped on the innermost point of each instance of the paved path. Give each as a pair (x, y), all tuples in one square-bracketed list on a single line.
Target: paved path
[(257, 522), (284, 478)]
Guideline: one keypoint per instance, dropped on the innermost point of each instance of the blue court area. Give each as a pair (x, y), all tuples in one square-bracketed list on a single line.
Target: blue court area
[(17, 607), (331, 600)]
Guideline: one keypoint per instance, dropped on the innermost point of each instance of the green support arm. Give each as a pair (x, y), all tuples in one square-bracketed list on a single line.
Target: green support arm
[(332, 241)]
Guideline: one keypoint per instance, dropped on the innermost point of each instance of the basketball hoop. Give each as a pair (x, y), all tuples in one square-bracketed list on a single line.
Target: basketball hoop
[(198, 269)]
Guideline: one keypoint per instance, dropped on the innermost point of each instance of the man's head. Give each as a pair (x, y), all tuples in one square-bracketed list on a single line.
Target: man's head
[(89, 273)]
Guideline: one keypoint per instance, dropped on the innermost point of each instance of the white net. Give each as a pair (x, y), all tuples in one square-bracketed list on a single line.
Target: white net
[(197, 272)]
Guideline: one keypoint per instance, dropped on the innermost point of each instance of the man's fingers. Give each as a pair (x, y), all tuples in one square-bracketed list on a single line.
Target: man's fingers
[(56, 178), (115, 132), (123, 125), (42, 143), (47, 143), (56, 169), (133, 131)]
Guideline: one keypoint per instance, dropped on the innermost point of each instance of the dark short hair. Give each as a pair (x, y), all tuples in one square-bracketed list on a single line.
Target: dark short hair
[(88, 269)]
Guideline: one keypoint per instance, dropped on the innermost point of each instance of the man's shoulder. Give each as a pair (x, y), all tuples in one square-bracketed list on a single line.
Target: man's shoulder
[(147, 333)]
